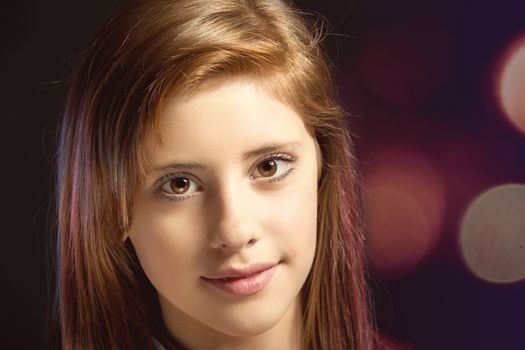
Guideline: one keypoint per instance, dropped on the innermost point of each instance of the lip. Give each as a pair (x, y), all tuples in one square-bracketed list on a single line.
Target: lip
[(243, 281)]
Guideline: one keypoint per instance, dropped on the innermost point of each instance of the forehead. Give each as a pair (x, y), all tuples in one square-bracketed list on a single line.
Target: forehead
[(220, 119)]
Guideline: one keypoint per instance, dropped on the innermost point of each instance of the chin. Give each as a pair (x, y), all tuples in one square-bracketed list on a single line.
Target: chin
[(247, 325)]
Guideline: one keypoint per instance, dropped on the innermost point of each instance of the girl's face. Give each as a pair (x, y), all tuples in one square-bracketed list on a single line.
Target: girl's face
[(225, 224)]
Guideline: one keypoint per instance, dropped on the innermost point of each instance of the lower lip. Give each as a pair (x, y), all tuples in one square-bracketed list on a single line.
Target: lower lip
[(245, 286)]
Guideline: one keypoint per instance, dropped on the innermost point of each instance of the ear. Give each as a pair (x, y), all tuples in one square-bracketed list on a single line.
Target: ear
[(126, 231)]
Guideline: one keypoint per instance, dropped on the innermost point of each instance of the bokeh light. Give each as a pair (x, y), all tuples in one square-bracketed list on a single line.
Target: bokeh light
[(492, 235), (512, 84), (405, 207)]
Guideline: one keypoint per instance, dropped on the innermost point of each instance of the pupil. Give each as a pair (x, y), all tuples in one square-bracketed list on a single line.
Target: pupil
[(268, 166), (181, 182)]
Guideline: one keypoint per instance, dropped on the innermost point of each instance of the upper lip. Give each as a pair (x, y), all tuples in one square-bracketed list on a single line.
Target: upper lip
[(232, 272)]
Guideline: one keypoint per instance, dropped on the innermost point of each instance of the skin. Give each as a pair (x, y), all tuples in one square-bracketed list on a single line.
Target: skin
[(233, 214)]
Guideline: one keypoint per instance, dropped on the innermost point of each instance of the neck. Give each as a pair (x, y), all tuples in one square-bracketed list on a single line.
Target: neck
[(287, 334)]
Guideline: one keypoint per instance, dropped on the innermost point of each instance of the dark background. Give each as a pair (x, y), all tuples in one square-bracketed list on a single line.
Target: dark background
[(432, 90)]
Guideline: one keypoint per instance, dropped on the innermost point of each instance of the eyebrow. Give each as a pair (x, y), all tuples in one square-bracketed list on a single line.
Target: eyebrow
[(181, 166), (264, 149), (270, 148)]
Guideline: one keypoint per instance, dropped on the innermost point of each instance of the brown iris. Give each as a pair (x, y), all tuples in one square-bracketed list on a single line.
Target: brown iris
[(267, 168), (180, 185)]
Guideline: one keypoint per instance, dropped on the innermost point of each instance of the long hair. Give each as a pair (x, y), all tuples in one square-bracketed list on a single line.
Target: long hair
[(145, 51)]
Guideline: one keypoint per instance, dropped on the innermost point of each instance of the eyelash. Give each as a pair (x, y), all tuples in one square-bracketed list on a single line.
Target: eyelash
[(274, 156)]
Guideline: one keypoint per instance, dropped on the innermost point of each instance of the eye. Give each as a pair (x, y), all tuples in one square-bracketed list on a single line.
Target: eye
[(274, 167), (179, 187)]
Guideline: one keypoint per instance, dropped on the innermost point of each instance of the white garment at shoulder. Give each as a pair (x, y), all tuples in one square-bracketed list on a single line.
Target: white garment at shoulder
[(158, 345)]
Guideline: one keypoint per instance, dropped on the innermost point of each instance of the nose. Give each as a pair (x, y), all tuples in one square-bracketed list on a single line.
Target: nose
[(233, 226)]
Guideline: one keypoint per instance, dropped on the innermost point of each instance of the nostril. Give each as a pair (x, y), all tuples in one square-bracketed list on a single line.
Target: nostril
[(237, 245)]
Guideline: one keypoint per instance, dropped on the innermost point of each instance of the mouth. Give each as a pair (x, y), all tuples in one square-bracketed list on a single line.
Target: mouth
[(243, 281)]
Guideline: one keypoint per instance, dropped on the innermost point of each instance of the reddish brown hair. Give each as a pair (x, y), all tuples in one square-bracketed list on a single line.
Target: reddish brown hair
[(145, 51)]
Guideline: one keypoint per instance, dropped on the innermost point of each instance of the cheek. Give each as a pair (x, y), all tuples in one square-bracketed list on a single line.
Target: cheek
[(294, 220), (165, 243)]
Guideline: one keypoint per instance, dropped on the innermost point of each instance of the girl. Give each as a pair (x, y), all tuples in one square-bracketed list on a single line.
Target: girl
[(207, 192)]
